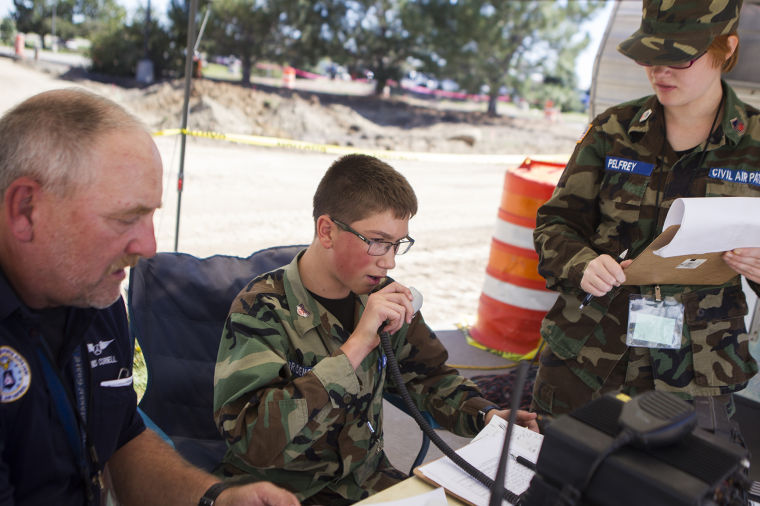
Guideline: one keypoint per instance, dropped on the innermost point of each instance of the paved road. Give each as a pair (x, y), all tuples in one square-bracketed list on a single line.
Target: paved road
[(45, 55)]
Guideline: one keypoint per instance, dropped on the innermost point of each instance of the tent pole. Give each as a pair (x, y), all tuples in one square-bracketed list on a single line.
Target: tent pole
[(189, 54)]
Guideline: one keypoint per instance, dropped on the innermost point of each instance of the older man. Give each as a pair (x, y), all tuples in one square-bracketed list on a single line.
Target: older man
[(80, 180)]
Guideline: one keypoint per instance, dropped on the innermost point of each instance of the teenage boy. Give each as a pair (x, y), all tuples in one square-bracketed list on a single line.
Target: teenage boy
[(300, 374)]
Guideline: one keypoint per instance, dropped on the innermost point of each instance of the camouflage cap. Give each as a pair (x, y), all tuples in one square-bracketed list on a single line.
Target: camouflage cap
[(676, 31)]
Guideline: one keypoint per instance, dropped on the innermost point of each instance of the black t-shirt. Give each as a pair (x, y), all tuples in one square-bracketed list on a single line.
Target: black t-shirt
[(342, 309)]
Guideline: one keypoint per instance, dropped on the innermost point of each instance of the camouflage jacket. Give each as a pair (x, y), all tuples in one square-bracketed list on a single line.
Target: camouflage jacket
[(291, 407), (614, 195)]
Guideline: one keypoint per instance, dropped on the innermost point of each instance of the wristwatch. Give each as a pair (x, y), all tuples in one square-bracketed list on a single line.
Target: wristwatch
[(209, 498), (482, 414)]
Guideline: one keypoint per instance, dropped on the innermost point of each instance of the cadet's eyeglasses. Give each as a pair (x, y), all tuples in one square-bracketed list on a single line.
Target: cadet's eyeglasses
[(682, 66), (379, 248)]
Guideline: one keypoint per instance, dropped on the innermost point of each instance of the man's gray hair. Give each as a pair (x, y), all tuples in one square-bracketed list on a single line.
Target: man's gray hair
[(48, 138)]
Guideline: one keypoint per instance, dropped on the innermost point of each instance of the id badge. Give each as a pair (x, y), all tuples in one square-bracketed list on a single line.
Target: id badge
[(653, 323)]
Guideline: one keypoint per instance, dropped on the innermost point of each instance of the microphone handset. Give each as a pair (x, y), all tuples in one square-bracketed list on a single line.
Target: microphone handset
[(416, 299), (395, 372)]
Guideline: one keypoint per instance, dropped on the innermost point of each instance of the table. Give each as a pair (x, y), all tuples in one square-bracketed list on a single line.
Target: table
[(407, 488)]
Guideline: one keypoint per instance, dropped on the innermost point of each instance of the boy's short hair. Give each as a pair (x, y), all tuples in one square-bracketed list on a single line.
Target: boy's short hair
[(356, 186)]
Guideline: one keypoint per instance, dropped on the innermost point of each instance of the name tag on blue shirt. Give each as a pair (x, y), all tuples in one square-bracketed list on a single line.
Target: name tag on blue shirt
[(735, 175), (617, 164)]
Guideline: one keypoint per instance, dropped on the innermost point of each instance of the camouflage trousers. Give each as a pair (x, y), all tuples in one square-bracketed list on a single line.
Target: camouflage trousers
[(385, 476), (562, 385)]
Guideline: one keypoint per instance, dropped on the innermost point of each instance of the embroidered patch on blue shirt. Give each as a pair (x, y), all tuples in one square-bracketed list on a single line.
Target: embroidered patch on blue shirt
[(618, 164), (735, 175)]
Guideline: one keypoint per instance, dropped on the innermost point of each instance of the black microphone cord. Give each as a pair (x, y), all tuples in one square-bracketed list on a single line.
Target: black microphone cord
[(497, 493), (385, 342)]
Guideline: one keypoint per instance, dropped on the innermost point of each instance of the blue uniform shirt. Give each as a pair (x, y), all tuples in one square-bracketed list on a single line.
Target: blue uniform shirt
[(37, 463)]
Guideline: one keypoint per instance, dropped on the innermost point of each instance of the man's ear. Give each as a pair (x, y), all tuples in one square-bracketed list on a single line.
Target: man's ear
[(20, 198), (325, 231)]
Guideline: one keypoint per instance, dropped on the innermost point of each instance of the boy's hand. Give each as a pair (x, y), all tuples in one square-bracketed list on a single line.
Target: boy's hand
[(524, 418), (391, 306)]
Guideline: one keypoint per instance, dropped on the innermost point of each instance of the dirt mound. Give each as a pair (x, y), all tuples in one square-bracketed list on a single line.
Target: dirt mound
[(328, 112), (397, 123)]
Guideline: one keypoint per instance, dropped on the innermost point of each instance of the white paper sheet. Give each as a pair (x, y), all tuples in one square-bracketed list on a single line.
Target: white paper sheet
[(483, 452), (435, 497), (711, 224)]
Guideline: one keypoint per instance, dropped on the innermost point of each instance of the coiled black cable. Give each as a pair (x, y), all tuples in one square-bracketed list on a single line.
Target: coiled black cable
[(385, 342)]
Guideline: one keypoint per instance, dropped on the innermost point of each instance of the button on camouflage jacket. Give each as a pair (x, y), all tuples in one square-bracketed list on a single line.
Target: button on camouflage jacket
[(291, 407), (614, 195)]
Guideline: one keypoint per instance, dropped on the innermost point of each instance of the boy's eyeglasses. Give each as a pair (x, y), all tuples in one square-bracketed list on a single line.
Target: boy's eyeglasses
[(682, 66), (379, 248)]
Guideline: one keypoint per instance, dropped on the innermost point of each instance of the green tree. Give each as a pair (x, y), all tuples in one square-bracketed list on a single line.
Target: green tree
[(558, 81), (177, 12), (280, 31), (7, 31), (64, 18), (93, 15), (504, 43), (116, 47), (37, 16), (378, 35)]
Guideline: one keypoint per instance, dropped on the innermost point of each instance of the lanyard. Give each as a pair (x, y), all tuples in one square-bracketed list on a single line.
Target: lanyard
[(74, 421)]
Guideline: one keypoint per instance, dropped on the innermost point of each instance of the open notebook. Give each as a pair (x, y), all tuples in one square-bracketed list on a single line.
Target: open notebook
[(483, 452)]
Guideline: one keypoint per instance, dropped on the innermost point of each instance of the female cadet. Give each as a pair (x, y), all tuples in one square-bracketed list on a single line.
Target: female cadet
[(632, 163)]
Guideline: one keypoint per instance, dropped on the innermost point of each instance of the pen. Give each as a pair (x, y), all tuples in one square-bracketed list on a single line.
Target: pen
[(588, 296), (525, 462)]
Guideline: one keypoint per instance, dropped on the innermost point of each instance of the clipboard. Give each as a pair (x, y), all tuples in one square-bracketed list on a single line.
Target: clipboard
[(419, 474), (696, 269)]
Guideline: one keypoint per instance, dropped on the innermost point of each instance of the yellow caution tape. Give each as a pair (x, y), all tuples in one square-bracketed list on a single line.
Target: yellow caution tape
[(274, 142)]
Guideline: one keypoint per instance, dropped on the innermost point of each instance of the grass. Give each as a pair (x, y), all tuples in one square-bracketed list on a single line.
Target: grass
[(139, 373), (219, 71)]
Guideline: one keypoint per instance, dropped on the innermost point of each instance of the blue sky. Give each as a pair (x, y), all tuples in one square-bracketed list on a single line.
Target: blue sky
[(584, 65)]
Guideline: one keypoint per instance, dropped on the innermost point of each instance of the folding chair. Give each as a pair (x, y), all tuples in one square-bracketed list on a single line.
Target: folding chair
[(177, 306)]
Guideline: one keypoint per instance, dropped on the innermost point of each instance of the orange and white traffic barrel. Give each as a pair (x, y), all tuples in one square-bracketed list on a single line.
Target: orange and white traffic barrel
[(288, 77), (515, 299)]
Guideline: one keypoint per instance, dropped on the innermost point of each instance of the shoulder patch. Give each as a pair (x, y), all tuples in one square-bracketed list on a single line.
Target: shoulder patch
[(737, 125), (16, 375)]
